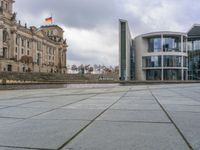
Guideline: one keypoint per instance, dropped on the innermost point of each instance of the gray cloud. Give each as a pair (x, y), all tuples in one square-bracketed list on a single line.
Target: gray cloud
[(91, 26)]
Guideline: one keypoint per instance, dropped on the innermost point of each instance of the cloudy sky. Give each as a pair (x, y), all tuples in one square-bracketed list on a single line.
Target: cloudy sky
[(91, 26)]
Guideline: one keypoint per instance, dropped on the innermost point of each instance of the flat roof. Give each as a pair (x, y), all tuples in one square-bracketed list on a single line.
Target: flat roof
[(163, 33), (194, 31)]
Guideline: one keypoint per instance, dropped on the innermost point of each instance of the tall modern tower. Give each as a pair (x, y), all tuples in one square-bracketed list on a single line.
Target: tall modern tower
[(125, 51)]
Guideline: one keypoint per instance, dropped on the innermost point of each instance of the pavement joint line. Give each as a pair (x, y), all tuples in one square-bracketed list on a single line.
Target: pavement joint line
[(24, 119), (181, 104), (104, 92), (18, 105), (169, 117), (92, 121), (135, 109), (58, 107), (186, 96), (145, 122), (11, 117), (66, 119), (18, 147), (35, 97)]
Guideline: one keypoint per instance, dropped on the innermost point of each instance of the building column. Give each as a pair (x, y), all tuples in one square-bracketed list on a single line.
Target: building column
[(64, 58), (162, 59), (182, 70), (1, 39), (187, 59), (12, 44)]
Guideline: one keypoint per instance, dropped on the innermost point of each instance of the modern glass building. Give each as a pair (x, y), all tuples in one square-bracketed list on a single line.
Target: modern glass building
[(126, 52), (160, 55), (194, 53)]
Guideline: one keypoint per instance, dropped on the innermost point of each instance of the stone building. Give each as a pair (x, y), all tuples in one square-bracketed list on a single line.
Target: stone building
[(24, 49)]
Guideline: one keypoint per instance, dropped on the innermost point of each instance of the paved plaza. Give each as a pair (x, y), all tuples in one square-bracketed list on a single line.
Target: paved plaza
[(141, 117)]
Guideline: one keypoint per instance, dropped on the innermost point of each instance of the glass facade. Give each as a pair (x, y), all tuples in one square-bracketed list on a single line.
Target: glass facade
[(171, 44), (194, 44), (170, 74), (172, 61), (153, 74), (194, 59), (154, 44), (152, 61), (171, 64), (168, 61), (132, 63)]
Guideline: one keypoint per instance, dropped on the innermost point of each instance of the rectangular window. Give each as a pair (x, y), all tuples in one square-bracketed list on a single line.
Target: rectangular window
[(172, 61), (154, 44), (152, 61), (153, 74), (28, 44), (17, 41), (23, 42), (39, 45), (22, 51)]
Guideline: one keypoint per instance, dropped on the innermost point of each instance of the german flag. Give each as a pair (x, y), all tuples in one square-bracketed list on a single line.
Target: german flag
[(49, 20)]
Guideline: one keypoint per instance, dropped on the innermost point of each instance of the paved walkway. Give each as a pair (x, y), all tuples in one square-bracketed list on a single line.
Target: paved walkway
[(157, 117)]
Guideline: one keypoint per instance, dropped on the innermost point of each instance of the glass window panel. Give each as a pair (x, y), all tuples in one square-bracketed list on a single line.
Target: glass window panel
[(152, 61), (172, 61), (153, 74), (154, 44), (174, 74), (171, 44)]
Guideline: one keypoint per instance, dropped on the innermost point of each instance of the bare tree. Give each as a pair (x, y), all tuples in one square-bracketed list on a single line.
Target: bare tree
[(74, 68)]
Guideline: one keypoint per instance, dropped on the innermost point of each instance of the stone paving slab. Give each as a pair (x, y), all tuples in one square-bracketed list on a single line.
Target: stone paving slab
[(112, 118), (49, 134), (73, 114), (87, 106), (134, 100), (136, 106), (136, 116), (14, 102), (189, 124), (3, 107), (128, 136), (21, 112), (8, 121), (179, 102), (182, 108), (5, 148), (42, 104)]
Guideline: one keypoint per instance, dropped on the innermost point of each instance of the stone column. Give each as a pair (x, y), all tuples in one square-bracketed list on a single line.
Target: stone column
[(13, 42), (1, 38), (65, 58), (20, 47)]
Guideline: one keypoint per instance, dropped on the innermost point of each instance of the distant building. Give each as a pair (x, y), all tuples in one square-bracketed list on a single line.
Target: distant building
[(159, 55), (24, 49)]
